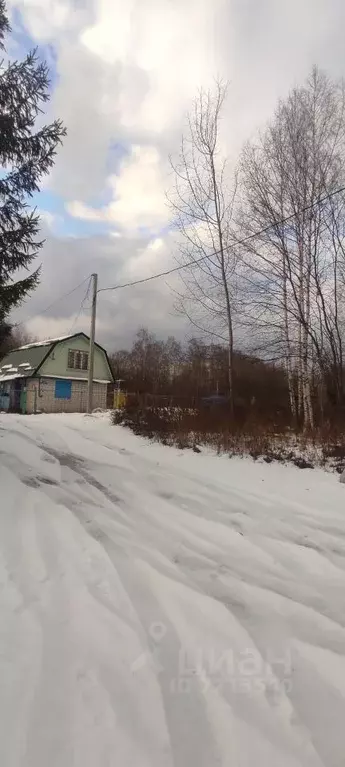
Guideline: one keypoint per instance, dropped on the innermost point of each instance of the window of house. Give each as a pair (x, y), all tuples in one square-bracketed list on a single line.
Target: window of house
[(78, 360)]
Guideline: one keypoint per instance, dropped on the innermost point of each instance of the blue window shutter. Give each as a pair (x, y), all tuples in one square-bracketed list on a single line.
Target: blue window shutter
[(63, 389)]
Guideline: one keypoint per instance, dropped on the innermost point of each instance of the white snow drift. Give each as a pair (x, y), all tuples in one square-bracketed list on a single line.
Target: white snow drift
[(165, 609)]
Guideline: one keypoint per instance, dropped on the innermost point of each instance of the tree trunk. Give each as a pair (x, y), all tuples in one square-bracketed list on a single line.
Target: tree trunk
[(225, 287)]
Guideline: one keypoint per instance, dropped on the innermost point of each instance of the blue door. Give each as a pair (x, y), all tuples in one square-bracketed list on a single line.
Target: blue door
[(63, 389)]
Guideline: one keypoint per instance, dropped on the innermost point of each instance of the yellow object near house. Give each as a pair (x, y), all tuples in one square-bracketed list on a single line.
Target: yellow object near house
[(119, 399)]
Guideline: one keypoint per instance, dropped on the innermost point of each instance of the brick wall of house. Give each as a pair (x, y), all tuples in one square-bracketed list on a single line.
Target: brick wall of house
[(41, 397)]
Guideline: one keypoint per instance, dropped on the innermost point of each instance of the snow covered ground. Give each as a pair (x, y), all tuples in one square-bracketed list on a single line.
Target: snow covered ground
[(164, 609)]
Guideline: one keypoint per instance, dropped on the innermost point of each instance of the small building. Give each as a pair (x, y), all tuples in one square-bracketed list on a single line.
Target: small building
[(52, 376)]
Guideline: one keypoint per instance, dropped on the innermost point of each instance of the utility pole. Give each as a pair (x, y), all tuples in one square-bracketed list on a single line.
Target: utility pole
[(94, 278)]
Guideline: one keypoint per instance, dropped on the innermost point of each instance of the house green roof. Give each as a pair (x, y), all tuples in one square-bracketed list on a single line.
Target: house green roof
[(26, 361), (23, 362)]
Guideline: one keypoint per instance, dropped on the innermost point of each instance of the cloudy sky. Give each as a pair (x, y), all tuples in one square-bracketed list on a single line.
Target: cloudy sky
[(124, 73)]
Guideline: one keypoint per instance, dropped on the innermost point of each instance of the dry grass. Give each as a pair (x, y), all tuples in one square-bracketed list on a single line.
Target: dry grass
[(195, 428)]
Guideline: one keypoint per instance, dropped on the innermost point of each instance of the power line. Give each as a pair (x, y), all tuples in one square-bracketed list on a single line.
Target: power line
[(43, 311), (242, 241), (167, 272), (155, 276), (81, 308)]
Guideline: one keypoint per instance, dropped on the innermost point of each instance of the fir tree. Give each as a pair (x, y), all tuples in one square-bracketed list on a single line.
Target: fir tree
[(26, 155)]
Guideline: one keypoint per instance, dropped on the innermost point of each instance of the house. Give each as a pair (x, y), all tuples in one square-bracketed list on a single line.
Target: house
[(51, 376)]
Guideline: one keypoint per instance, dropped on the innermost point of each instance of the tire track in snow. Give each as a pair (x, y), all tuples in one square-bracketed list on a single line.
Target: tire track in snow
[(133, 558), (185, 715), (168, 672)]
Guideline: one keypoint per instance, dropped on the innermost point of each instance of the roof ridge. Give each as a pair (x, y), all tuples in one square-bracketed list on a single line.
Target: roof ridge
[(46, 342)]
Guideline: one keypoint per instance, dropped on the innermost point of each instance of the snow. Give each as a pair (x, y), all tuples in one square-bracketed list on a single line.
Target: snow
[(46, 342), (12, 375), (160, 608), (10, 372)]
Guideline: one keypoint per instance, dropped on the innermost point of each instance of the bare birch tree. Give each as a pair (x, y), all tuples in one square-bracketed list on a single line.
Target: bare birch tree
[(297, 267), (202, 205)]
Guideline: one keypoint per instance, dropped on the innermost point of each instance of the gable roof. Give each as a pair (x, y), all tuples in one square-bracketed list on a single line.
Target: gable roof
[(47, 342), (25, 361)]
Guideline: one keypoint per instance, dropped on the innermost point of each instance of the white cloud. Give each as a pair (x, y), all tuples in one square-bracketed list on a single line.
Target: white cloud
[(49, 219), (66, 262), (79, 210), (168, 42), (137, 192), (150, 259), (110, 36), (127, 71), (44, 19), (156, 244), (52, 327)]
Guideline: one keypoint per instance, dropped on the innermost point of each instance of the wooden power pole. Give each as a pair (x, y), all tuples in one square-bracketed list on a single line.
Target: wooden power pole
[(92, 342)]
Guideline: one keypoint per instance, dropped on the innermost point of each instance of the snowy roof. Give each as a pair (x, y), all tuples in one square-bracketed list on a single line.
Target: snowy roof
[(11, 376), (21, 363), (46, 342), (25, 361)]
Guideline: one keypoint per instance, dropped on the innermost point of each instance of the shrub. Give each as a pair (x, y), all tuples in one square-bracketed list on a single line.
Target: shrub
[(214, 427)]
